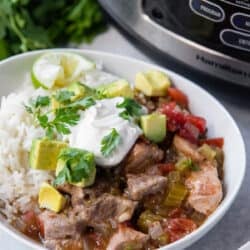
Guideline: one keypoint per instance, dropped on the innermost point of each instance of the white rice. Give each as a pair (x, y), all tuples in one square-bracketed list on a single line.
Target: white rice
[(18, 182)]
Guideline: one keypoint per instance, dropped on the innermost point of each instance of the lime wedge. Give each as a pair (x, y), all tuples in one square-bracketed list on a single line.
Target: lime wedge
[(58, 69)]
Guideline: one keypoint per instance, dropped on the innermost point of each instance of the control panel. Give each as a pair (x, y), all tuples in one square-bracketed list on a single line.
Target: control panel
[(236, 34), (222, 25)]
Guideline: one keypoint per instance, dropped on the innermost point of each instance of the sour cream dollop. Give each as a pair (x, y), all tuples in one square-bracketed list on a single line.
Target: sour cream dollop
[(97, 122)]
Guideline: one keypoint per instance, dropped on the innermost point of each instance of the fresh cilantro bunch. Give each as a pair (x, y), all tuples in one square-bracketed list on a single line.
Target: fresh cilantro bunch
[(76, 165), (32, 24)]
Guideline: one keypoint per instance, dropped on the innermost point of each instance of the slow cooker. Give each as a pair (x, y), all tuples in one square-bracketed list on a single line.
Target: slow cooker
[(212, 36)]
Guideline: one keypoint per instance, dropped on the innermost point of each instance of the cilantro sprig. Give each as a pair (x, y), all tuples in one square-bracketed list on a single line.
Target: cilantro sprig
[(110, 142), (64, 118), (83, 103), (76, 165), (57, 121), (64, 96), (35, 105), (131, 109)]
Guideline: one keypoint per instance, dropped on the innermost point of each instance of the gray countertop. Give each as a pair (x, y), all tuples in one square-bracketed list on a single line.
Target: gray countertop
[(234, 229)]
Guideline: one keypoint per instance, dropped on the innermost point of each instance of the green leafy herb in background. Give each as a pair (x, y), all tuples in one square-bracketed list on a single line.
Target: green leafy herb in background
[(33, 24)]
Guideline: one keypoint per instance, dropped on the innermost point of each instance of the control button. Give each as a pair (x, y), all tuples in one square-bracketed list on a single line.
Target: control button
[(243, 4), (235, 39), (207, 10), (241, 21)]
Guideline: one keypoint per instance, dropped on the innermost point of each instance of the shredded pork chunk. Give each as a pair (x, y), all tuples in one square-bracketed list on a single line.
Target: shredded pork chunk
[(205, 189)]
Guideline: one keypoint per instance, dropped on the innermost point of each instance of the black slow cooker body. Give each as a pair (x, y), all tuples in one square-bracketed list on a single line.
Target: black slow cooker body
[(220, 25), (212, 36)]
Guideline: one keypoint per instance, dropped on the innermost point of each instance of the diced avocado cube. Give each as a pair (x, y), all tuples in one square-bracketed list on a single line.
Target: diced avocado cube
[(44, 153), (152, 83), (118, 88), (50, 198), (154, 126), (78, 89)]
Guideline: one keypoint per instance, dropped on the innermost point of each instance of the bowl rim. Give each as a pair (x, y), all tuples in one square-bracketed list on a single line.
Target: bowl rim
[(214, 218)]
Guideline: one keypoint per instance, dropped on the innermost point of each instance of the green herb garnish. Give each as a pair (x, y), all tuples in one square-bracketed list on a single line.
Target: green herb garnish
[(132, 109), (77, 165), (64, 117), (64, 96), (35, 105), (60, 119), (110, 142), (83, 103)]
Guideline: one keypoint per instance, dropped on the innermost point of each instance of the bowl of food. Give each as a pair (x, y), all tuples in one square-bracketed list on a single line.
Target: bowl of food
[(102, 151)]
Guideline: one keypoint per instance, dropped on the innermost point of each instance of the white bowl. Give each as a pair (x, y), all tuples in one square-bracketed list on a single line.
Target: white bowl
[(219, 121)]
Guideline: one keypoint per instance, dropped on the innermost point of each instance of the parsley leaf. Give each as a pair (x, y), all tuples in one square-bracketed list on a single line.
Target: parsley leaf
[(35, 104), (64, 117), (77, 165), (83, 103), (28, 109), (132, 108), (110, 142), (124, 114), (64, 96), (41, 101), (43, 120)]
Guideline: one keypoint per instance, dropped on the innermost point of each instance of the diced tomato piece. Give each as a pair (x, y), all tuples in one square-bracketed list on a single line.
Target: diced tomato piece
[(28, 217), (175, 117), (190, 132), (96, 241), (186, 125), (198, 122), (126, 224), (178, 96), (176, 213), (40, 226), (32, 224), (165, 168), (217, 142), (177, 228)]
